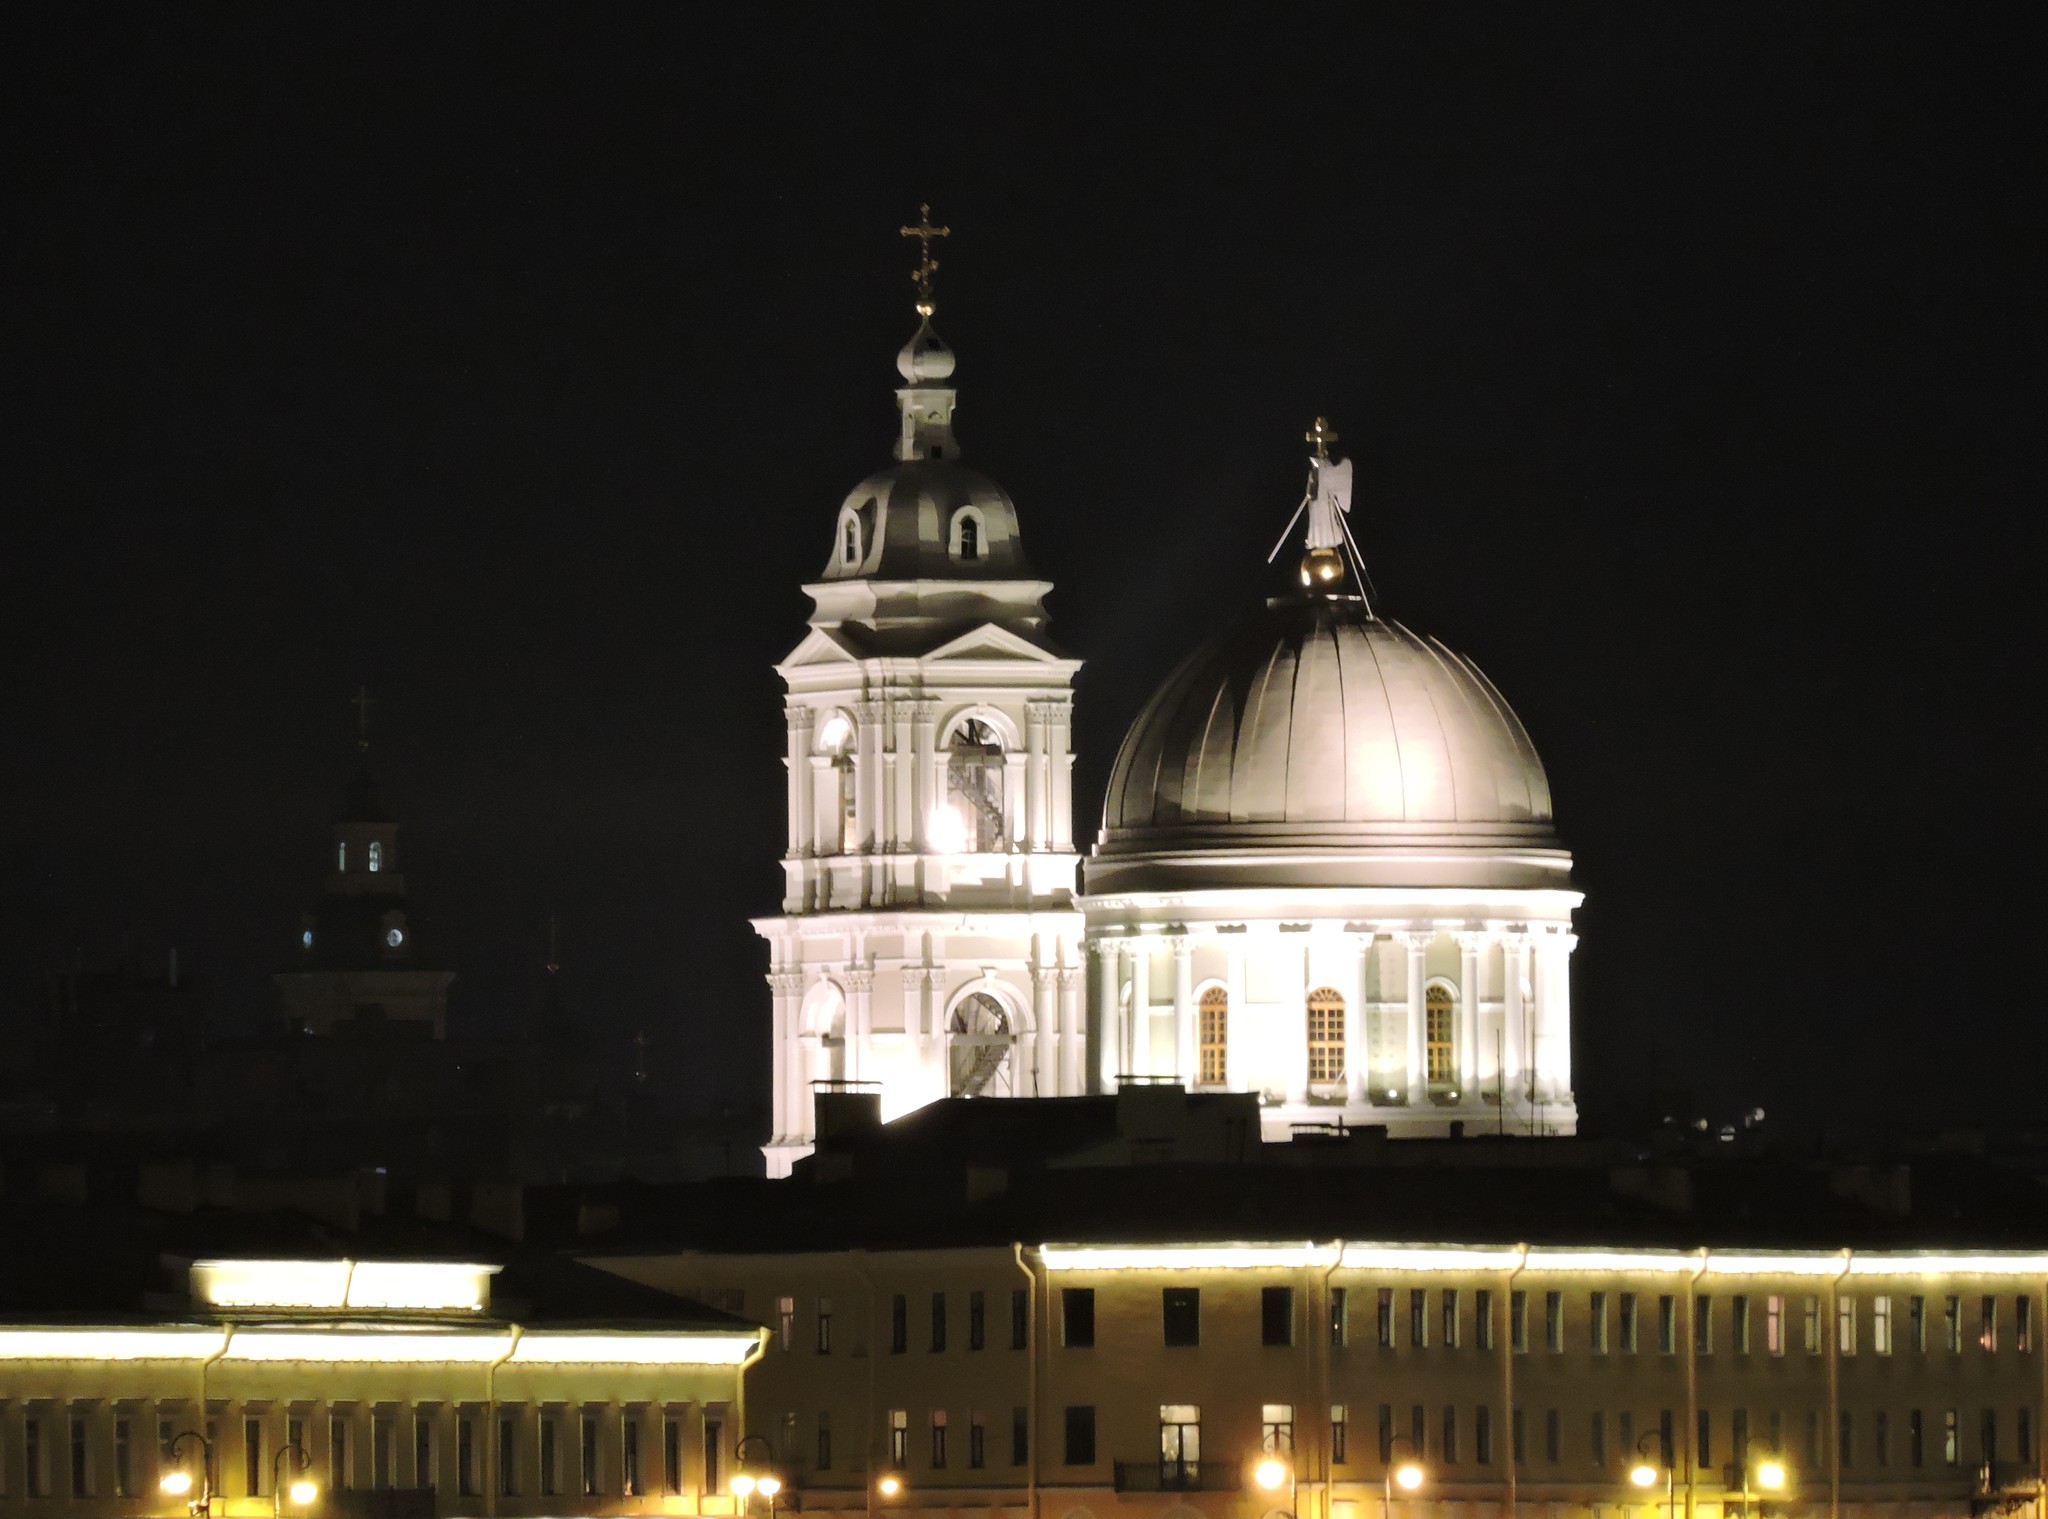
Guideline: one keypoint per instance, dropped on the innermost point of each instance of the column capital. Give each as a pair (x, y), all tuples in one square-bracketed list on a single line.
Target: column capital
[(786, 983), (1072, 975), (800, 716), (1472, 941), (1179, 943), (922, 711), (860, 978), (869, 711), (1414, 940), (918, 977)]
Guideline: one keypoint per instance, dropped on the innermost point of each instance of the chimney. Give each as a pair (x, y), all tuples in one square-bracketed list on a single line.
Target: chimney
[(838, 1114)]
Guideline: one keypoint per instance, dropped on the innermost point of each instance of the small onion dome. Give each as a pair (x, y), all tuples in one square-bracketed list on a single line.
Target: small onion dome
[(925, 359)]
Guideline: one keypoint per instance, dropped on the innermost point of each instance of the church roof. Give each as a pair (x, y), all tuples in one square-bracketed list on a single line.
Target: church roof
[(906, 524)]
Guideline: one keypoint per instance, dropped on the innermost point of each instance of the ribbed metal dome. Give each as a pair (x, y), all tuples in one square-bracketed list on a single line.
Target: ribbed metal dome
[(1319, 729), (906, 526)]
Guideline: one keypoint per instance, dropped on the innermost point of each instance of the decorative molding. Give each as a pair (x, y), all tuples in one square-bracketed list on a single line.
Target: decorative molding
[(1413, 939), (786, 983), (859, 978)]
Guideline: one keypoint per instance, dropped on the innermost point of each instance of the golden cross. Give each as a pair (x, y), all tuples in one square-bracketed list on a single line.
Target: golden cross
[(1322, 435), (927, 266), (362, 705)]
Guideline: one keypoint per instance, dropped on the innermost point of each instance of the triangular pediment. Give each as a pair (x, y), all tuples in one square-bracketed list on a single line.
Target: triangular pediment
[(821, 646), (990, 642)]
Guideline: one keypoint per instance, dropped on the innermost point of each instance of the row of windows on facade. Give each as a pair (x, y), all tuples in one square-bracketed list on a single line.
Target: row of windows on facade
[(972, 819), (1326, 1013), (560, 1469), (1181, 1320), (374, 863), (963, 537), (899, 1322)]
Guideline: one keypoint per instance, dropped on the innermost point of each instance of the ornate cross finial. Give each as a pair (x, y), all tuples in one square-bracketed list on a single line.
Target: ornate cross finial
[(927, 266), (362, 704), (1322, 435)]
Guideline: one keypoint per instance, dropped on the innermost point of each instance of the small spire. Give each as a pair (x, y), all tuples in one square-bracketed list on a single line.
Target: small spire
[(1322, 435), (927, 266)]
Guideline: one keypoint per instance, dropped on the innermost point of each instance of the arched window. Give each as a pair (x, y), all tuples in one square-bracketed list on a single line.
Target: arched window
[(849, 539), (1325, 1035), (1439, 1017), (967, 534), (974, 786), (376, 856), (836, 742), (1214, 1010), (341, 855), (978, 1048)]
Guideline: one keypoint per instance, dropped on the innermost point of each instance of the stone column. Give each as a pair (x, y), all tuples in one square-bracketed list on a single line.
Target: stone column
[(1417, 944), (919, 982), (923, 796), (1108, 1007), (1294, 947), (867, 777), (1045, 1015), (1138, 1024), (860, 987), (1073, 1038), (1236, 1022), (1186, 1052), (1014, 799), (1551, 1065), (786, 987), (1034, 775), (1514, 972), (903, 776), (1472, 948), (1060, 765), (1357, 1045), (799, 779)]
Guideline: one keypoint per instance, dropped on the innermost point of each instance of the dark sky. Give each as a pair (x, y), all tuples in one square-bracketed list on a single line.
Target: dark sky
[(515, 361)]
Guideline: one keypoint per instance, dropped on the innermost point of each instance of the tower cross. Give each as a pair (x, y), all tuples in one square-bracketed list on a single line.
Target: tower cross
[(1322, 435), (927, 266), (362, 704)]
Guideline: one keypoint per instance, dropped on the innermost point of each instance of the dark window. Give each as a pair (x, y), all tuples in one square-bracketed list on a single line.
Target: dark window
[(672, 1455), (1077, 1318), (1553, 1439), (1340, 1442), (1517, 1434), (1339, 1306), (824, 1442), (977, 1443), (1448, 1450), (1418, 1317), (970, 538), (1020, 1436), (1384, 1320), (824, 1326), (1386, 1433), (977, 1320), (1276, 1315), (1482, 1434), (938, 1321), (1916, 1438), (1182, 1307), (1020, 1318), (1482, 1316), (938, 1438), (899, 1324), (1081, 1425), (714, 1439), (1705, 1454)]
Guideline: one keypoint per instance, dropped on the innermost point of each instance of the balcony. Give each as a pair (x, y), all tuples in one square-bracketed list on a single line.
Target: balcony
[(1157, 1476)]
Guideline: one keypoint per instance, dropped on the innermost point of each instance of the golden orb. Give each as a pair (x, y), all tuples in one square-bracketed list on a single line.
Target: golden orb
[(1321, 569)]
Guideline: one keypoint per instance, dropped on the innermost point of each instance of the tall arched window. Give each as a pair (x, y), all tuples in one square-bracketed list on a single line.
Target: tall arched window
[(978, 1047), (966, 534), (974, 785), (849, 539), (341, 855), (1214, 1010), (376, 855), (1325, 1034), (1440, 1012), (836, 743)]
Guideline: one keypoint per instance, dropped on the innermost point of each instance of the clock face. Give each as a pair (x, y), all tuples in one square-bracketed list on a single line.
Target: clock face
[(394, 937)]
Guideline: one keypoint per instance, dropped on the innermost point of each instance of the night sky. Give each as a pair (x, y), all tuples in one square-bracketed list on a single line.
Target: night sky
[(515, 361)]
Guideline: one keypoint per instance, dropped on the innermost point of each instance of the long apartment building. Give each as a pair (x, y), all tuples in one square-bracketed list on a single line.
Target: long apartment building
[(1103, 1325)]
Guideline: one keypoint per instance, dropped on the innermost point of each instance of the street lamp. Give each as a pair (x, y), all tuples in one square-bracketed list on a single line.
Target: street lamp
[(761, 1479), (178, 1482), (1770, 1476), (303, 1489), (1272, 1470), (1644, 1475), (1407, 1475)]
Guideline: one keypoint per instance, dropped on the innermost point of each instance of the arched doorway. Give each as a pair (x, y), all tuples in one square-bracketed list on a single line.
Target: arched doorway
[(979, 1040)]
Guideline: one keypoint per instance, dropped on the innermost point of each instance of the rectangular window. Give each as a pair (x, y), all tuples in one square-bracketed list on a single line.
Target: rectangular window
[(37, 1458), (81, 1460), (938, 1439), (586, 1456), (1180, 1445), (1813, 1454), (1482, 1435), (672, 1455), (1386, 1433), (1325, 1037), (1951, 1440), (508, 1453), (1181, 1312), (1448, 1451), (1215, 1034), (1628, 1323), (423, 1474), (1418, 1317), (465, 1457), (124, 1457), (1704, 1452), (1916, 1321), (1811, 1322), (1518, 1321), (2023, 1324), (1339, 1313), (1916, 1439), (1987, 1323), (1080, 1435), (1952, 1323), (2023, 1437), (1881, 1439), (1553, 1439), (1625, 1430), (1776, 1425), (1738, 1437), (1482, 1317), (977, 1440), (1845, 1325), (1276, 1315), (1340, 1443), (1881, 1325), (1987, 1437), (977, 1320), (1596, 1437), (629, 1458), (1596, 1322), (1386, 1318), (938, 1322), (1020, 1318), (899, 1324), (1774, 1324), (338, 1474), (824, 1457), (1667, 1447), (1553, 1322), (1450, 1306), (899, 1437), (1276, 1428), (1667, 1324), (1702, 1325), (824, 1326), (1020, 1436), (550, 1454), (1844, 1438), (714, 1453), (785, 1321), (1516, 1435), (1077, 1323)]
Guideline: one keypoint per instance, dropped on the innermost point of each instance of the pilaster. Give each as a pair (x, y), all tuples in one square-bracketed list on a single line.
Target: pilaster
[(1471, 948), (1417, 943)]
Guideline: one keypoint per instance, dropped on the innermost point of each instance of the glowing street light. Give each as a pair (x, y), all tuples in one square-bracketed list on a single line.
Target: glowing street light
[(1271, 1472), (1645, 1475), (178, 1482), (1770, 1475), (302, 1490), (1407, 1475), (890, 1485)]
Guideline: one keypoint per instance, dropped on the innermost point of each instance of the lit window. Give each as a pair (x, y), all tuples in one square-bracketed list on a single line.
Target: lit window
[(974, 786), (1881, 1325), (1811, 1321), (899, 1437), (2023, 1324), (1439, 1014), (1215, 1021), (1596, 1315), (1987, 1323), (1774, 1324), (376, 856), (967, 534), (1180, 1446), (1276, 1428), (341, 856), (785, 1314), (1325, 1035), (849, 540), (1845, 1325), (1952, 1321)]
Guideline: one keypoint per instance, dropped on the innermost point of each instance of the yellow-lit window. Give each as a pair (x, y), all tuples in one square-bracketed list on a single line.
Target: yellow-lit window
[(1439, 1014), (1325, 1035), (1215, 1017)]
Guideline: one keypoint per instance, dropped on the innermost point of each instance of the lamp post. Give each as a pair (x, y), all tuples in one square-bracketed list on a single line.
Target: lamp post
[(303, 1489), (1644, 1475), (1272, 1470), (749, 1480), (178, 1482), (1770, 1476), (1407, 1475)]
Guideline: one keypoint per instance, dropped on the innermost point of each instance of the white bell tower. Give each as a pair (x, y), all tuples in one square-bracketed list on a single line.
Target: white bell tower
[(928, 945)]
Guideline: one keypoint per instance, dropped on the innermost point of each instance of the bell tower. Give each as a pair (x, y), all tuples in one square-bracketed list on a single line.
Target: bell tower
[(928, 945)]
